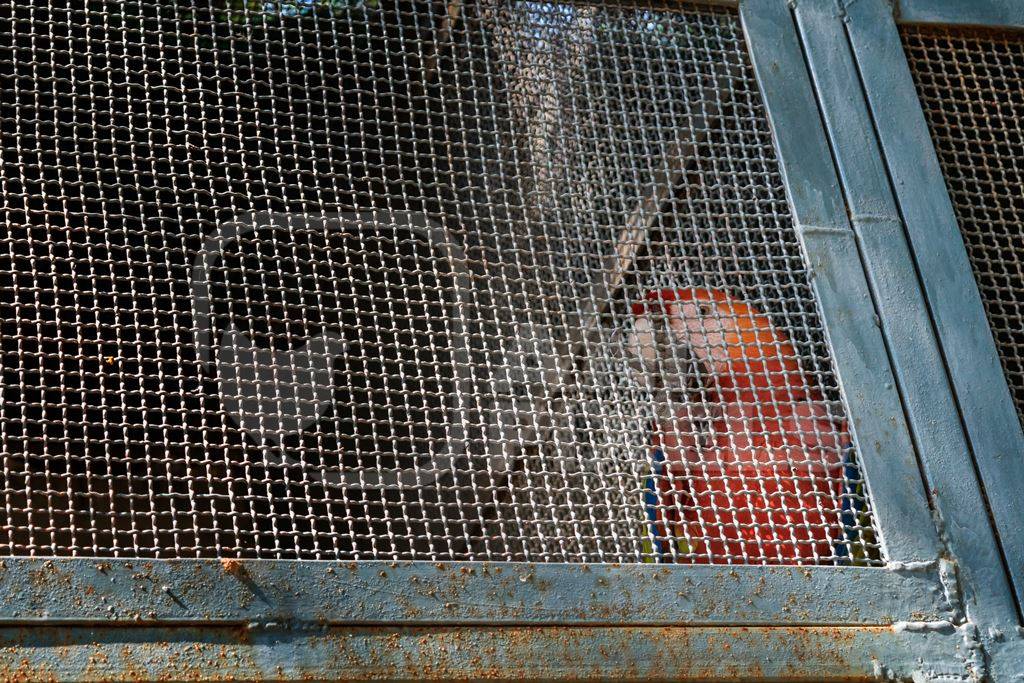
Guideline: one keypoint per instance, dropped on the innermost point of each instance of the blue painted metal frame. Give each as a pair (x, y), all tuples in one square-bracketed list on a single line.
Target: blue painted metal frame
[(987, 410), (830, 247), (236, 592), (1005, 13), (289, 619), (920, 368)]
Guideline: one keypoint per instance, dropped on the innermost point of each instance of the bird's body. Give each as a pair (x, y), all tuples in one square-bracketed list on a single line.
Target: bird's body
[(757, 465)]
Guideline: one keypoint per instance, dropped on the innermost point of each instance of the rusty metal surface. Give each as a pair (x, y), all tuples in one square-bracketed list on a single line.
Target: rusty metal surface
[(450, 653), (236, 591)]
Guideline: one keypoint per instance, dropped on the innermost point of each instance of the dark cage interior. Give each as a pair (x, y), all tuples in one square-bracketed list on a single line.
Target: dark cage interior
[(364, 280)]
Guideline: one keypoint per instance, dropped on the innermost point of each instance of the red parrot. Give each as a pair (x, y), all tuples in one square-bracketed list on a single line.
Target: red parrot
[(762, 480)]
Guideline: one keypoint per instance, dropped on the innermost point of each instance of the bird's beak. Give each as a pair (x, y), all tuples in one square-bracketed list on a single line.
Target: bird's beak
[(642, 342), (660, 358)]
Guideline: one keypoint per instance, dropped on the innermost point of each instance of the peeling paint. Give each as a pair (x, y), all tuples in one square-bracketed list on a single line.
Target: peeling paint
[(919, 566)]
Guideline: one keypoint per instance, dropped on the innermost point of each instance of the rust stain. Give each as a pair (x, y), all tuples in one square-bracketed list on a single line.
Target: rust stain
[(232, 566), (24, 670)]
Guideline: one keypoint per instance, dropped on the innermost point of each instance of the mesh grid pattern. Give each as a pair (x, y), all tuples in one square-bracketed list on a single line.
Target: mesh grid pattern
[(378, 280), (971, 86)]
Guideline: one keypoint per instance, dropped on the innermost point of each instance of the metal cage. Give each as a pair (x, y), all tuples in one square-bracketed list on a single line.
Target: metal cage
[(399, 339)]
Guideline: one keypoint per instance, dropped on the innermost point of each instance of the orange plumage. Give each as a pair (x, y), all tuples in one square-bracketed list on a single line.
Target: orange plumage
[(762, 478)]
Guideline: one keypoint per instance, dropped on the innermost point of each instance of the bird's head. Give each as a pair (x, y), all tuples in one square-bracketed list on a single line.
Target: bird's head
[(659, 347), (708, 322), (731, 340)]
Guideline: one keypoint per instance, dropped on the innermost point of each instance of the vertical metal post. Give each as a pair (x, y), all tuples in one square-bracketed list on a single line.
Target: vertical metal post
[(917, 359), (984, 400), (858, 350)]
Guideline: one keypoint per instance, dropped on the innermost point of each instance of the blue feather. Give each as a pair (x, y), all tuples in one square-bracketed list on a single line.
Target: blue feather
[(652, 500)]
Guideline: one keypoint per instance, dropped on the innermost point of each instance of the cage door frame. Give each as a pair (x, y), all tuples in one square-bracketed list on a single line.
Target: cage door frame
[(991, 13), (931, 407)]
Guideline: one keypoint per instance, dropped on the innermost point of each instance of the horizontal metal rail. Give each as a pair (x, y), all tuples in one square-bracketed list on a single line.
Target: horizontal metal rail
[(475, 653), (36, 590)]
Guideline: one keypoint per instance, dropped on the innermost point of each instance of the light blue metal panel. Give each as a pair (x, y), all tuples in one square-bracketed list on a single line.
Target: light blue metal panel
[(1007, 659), (902, 652), (984, 399), (234, 591), (858, 350), (971, 12), (917, 359)]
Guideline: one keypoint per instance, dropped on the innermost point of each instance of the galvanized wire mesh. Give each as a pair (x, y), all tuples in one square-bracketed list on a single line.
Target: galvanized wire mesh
[(971, 86), (506, 281)]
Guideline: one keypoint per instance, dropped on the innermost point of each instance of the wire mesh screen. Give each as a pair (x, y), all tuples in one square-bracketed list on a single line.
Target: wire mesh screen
[(971, 86), (378, 280)]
